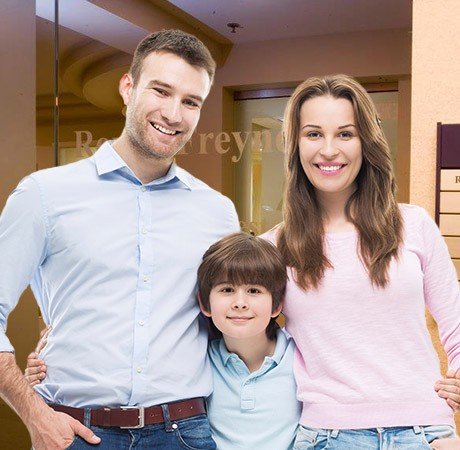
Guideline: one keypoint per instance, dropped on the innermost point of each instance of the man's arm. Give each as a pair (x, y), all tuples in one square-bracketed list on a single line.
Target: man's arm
[(48, 429), (23, 245)]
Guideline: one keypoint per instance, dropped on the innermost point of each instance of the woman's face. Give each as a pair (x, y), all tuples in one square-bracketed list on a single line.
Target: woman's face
[(329, 146)]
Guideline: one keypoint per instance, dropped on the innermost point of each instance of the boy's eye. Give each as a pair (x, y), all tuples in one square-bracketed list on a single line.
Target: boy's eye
[(254, 291), (226, 289)]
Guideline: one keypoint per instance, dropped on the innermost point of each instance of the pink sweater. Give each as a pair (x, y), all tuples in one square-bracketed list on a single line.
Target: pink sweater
[(365, 357)]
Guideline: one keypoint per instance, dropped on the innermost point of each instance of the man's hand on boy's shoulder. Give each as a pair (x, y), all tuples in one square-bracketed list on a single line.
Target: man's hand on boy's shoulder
[(36, 368), (446, 444)]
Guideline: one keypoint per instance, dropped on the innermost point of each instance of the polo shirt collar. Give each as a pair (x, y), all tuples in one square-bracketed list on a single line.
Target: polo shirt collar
[(282, 341)]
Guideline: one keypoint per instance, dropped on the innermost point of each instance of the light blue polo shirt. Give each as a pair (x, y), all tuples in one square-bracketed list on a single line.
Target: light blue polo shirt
[(254, 411)]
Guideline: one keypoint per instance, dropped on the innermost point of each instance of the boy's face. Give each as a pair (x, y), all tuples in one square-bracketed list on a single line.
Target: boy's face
[(240, 311)]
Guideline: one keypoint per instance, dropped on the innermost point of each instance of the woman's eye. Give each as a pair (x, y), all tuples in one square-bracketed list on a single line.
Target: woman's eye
[(313, 135), (346, 134)]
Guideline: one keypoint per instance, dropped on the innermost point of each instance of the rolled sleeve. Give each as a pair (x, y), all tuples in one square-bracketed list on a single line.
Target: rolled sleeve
[(23, 240)]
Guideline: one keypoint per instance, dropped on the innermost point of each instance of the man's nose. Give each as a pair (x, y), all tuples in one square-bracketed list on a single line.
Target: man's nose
[(172, 111)]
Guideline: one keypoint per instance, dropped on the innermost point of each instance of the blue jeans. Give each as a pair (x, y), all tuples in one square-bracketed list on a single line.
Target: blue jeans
[(193, 433), (404, 438)]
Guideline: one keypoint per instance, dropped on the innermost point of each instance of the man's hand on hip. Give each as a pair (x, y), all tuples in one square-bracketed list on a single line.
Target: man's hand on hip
[(56, 431)]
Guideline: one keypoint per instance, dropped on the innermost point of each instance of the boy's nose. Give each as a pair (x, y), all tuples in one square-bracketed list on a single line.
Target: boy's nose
[(239, 305), (240, 302)]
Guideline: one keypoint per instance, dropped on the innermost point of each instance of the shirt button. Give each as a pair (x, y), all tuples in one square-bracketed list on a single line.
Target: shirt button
[(146, 279), (138, 370), (141, 323), (143, 188), (144, 231)]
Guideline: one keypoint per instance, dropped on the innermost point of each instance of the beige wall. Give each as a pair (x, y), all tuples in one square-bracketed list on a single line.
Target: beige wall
[(17, 158), (435, 89), (435, 98)]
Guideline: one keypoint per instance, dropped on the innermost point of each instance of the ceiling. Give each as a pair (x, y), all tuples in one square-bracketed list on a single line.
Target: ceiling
[(97, 40), (264, 20)]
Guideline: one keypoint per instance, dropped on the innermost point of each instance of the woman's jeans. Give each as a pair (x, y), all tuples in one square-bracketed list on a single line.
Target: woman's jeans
[(404, 438), (193, 433)]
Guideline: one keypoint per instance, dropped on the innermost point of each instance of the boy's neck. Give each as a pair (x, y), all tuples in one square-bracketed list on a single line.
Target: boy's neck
[(252, 351)]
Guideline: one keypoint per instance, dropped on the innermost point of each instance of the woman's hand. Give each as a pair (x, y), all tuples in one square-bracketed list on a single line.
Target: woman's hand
[(449, 389), (446, 444), (36, 368)]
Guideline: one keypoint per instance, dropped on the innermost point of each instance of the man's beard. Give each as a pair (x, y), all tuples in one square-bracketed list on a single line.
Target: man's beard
[(139, 140)]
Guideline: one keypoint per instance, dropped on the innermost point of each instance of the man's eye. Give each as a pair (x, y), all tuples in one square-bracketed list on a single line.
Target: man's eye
[(160, 91), (192, 103)]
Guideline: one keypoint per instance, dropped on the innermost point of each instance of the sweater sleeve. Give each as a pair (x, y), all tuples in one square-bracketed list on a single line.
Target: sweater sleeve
[(441, 288)]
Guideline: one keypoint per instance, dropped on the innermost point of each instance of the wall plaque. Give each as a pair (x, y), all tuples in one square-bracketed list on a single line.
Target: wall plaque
[(448, 188)]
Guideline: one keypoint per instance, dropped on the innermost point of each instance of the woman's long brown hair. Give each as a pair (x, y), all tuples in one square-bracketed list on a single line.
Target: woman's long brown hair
[(372, 208)]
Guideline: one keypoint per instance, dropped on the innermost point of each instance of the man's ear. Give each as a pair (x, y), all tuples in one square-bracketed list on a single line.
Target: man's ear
[(203, 310), (126, 87)]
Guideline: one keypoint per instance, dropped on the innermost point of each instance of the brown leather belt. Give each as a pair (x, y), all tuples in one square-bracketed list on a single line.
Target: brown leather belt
[(136, 417)]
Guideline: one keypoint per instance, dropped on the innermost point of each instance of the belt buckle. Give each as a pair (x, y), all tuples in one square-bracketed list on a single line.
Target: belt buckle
[(141, 416)]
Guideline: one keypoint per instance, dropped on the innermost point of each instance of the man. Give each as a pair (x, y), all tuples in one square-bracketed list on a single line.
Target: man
[(110, 246)]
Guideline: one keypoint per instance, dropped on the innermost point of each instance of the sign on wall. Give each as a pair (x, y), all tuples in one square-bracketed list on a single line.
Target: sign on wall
[(448, 188)]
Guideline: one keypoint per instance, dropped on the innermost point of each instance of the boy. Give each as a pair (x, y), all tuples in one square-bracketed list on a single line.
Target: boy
[(241, 284)]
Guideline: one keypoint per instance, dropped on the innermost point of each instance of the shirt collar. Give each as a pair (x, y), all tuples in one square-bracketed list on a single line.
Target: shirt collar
[(108, 160), (282, 341)]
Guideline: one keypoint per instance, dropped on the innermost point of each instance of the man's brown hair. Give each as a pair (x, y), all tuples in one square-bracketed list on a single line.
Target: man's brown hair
[(177, 42), (243, 259)]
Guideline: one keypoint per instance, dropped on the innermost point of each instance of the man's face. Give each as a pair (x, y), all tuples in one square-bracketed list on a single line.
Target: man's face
[(164, 106)]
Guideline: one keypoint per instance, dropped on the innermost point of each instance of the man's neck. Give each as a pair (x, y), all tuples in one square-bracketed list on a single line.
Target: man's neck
[(253, 350), (146, 169)]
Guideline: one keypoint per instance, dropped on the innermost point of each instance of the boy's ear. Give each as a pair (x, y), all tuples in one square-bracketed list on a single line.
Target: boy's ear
[(203, 310), (277, 311)]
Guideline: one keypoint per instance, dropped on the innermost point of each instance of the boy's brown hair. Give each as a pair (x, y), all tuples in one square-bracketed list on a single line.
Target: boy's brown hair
[(184, 45), (243, 259)]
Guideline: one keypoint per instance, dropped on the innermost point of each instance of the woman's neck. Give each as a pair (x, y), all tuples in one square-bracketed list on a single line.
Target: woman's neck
[(333, 206)]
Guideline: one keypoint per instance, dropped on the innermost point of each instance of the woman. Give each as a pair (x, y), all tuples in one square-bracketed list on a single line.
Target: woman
[(362, 270)]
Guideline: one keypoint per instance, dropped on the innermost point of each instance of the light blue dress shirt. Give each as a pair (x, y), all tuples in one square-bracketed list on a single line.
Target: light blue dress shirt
[(112, 263), (258, 410)]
